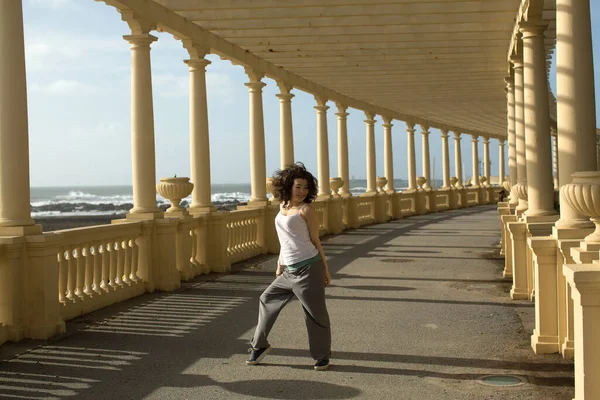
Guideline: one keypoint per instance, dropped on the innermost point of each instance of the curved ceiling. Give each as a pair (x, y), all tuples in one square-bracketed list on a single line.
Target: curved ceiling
[(438, 62)]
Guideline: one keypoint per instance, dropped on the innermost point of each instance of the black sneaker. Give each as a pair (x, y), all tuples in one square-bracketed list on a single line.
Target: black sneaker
[(256, 355), (322, 364)]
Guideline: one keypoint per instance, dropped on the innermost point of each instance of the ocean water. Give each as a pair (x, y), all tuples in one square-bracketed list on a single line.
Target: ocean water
[(108, 200)]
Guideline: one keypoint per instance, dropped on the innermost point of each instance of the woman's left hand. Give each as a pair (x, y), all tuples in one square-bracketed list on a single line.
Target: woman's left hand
[(327, 278)]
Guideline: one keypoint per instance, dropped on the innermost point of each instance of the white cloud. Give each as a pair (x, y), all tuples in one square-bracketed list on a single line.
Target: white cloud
[(170, 85), (51, 3), (67, 87), (48, 52), (217, 84)]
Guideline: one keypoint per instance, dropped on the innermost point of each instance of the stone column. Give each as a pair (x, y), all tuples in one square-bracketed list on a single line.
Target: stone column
[(584, 280), (521, 187), (426, 160), (286, 134), (258, 168), (343, 169), (512, 149), (475, 162), (555, 159), (458, 160), (388, 154), (445, 159), (501, 167), (576, 115), (199, 136), (142, 129), (598, 152), (322, 148), (537, 123), (15, 210), (412, 165), (371, 167), (486, 160)]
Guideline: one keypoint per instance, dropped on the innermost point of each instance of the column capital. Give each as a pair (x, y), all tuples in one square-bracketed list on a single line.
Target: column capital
[(410, 128), (501, 142), (195, 50), (138, 24), (532, 29), (255, 86), (342, 115), (517, 61), (475, 138), (509, 80), (341, 107), (486, 140), (284, 88), (141, 40), (321, 101), (424, 129), (321, 109), (445, 133), (254, 75), (197, 64), (386, 120), (287, 97), (457, 136), (370, 116), (387, 125)]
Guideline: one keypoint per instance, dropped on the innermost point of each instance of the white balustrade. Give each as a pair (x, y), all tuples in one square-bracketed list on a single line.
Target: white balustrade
[(95, 262), (366, 210), (242, 232), (321, 208)]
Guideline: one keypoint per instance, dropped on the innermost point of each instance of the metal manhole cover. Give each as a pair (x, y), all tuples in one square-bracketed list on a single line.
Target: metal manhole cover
[(397, 260), (501, 380)]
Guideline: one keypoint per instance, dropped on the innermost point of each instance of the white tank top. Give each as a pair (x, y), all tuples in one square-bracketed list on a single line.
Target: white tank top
[(294, 239)]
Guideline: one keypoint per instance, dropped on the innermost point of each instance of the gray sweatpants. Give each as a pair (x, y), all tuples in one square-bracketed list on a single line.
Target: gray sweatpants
[(308, 285)]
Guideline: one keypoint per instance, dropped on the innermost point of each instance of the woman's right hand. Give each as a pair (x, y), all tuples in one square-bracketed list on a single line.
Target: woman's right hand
[(279, 270)]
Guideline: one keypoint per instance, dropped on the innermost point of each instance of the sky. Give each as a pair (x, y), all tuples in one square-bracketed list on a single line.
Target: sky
[(78, 78)]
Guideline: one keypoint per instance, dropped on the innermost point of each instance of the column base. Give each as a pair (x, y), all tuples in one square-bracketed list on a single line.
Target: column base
[(254, 204), (567, 350), (519, 294), (182, 214), (544, 344), (201, 210), (368, 194), (136, 216), (21, 230)]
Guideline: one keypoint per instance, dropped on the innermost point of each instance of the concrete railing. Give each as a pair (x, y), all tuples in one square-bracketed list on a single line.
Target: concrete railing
[(244, 230), (557, 267), (72, 272), (98, 266)]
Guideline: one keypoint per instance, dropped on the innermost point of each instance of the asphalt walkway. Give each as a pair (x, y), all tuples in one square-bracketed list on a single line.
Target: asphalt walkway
[(419, 311)]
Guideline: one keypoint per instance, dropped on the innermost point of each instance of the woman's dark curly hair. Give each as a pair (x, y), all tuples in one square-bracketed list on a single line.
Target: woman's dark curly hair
[(283, 181)]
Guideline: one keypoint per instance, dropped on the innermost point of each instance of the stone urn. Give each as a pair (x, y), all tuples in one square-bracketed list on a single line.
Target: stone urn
[(381, 181), (482, 180), (583, 195), (453, 181), (336, 184), (174, 189), (521, 191), (421, 181)]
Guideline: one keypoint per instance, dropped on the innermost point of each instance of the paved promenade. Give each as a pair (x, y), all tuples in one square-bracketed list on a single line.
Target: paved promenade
[(419, 311)]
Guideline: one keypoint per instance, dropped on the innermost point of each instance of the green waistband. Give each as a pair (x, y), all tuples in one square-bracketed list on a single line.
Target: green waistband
[(303, 263)]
